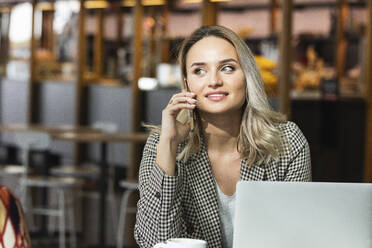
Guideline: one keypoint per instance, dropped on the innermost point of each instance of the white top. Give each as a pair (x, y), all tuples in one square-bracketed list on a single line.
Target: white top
[(227, 213)]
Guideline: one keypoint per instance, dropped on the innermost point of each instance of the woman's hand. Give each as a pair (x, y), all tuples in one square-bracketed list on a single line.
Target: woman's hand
[(172, 131)]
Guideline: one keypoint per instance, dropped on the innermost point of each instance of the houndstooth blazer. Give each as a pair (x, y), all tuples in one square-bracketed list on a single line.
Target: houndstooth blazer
[(186, 205)]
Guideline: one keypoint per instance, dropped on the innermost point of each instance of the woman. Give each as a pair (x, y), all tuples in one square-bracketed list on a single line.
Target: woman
[(188, 174)]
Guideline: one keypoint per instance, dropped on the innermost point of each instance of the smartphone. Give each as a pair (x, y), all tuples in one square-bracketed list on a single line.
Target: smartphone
[(186, 114)]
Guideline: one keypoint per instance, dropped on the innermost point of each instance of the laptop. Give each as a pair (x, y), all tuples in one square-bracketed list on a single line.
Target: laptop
[(303, 215)]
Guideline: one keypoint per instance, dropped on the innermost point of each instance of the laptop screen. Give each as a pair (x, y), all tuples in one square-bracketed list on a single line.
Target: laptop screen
[(306, 215)]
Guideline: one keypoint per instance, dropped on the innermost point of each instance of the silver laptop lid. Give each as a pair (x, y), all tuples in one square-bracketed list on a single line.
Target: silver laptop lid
[(303, 215)]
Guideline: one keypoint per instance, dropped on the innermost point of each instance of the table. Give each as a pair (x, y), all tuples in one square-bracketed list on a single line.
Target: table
[(51, 130), (84, 134), (103, 139)]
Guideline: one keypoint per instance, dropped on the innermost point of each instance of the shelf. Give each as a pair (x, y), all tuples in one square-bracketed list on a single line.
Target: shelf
[(60, 79), (107, 82), (225, 7)]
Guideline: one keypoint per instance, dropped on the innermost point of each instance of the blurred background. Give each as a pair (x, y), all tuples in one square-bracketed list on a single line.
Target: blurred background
[(78, 63)]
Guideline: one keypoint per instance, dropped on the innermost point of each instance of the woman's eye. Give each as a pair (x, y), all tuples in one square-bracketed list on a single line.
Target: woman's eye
[(199, 71), (228, 68)]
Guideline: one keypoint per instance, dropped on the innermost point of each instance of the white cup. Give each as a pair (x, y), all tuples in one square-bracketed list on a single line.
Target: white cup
[(182, 243)]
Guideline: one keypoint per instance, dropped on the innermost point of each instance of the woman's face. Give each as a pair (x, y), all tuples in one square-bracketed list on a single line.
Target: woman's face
[(215, 76)]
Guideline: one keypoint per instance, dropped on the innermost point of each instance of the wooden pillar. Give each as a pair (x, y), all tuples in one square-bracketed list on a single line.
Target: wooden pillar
[(47, 36), (31, 82), (98, 44), (285, 58), (165, 43), (79, 85), (341, 42), (209, 13), (136, 113), (368, 97), (119, 32), (153, 38), (137, 103), (4, 45), (120, 24), (273, 16), (2, 50), (81, 63)]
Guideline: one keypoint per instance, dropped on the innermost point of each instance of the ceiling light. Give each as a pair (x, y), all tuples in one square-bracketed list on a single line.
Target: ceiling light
[(132, 3), (198, 1), (152, 2), (45, 6), (129, 3), (147, 83), (95, 4), (192, 1)]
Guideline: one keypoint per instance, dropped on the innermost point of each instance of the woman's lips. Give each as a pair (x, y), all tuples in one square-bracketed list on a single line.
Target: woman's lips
[(216, 97)]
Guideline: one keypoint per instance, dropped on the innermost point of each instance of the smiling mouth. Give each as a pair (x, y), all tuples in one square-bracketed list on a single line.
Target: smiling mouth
[(216, 97)]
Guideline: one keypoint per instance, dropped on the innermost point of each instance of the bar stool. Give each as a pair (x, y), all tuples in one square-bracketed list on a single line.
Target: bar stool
[(12, 169), (110, 127), (130, 187), (10, 175), (8, 154), (87, 172), (9, 167), (92, 173), (31, 140)]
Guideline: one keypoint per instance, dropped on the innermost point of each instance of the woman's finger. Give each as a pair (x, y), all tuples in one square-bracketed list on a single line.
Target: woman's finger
[(174, 109), (182, 95), (182, 99)]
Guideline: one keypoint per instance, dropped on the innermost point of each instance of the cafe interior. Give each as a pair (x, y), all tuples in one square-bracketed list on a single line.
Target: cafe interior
[(79, 78)]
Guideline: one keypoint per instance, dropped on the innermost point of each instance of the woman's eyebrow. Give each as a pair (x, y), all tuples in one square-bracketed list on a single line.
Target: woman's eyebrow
[(220, 62), (228, 60), (197, 64)]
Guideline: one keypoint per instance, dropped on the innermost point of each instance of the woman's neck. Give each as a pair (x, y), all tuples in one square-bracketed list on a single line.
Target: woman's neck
[(221, 131)]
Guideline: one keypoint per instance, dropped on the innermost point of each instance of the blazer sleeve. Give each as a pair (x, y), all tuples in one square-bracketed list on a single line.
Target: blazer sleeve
[(298, 155), (159, 214)]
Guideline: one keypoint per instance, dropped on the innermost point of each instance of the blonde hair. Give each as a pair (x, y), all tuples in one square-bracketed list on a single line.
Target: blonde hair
[(259, 139)]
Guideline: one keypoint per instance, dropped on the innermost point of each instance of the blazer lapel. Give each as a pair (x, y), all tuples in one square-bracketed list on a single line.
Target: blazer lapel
[(203, 189), (261, 172), (251, 172)]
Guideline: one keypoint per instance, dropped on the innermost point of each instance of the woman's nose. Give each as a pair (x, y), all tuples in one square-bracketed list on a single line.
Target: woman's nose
[(214, 80)]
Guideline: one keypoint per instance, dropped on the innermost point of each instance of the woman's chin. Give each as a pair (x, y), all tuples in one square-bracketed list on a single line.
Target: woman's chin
[(220, 111)]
